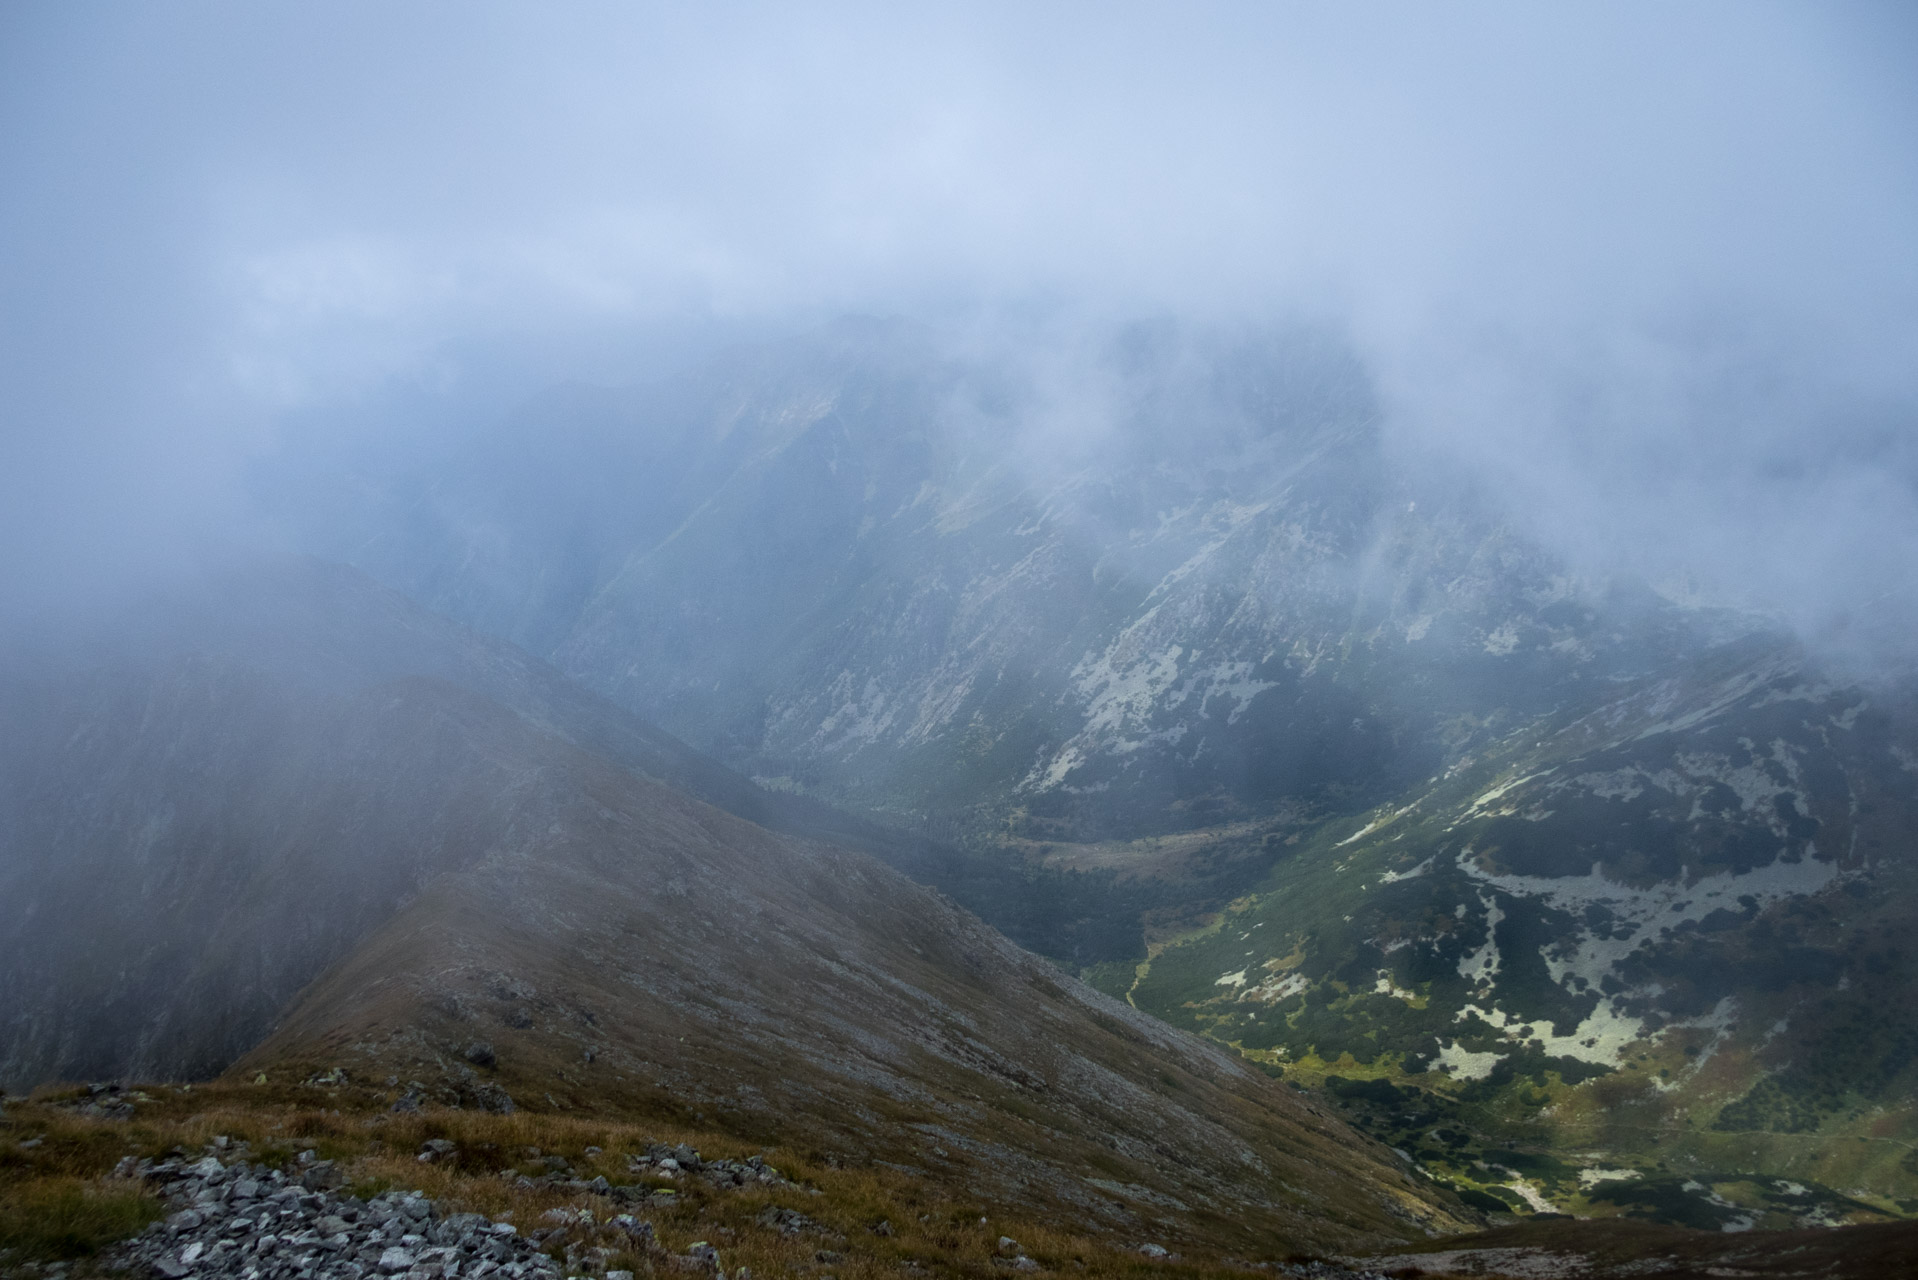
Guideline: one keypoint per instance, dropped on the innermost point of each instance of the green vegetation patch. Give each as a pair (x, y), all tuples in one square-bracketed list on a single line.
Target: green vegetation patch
[(1676, 1201), (1114, 977), (53, 1218)]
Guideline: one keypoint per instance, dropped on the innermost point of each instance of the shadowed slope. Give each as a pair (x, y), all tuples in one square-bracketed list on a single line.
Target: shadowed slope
[(327, 628), (641, 942), (186, 849), (208, 801)]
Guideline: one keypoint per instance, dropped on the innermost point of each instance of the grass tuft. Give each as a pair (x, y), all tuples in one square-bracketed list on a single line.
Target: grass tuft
[(65, 1217)]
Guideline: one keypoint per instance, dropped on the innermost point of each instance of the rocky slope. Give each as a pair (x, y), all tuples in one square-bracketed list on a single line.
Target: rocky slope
[(640, 944), (212, 859), (239, 1219)]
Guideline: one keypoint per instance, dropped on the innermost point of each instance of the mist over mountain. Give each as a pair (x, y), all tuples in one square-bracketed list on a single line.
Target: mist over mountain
[(860, 547), (1641, 271), (239, 837), (1320, 558), (1222, 668)]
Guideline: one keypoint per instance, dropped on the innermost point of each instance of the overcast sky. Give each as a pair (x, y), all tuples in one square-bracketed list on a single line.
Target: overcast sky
[(1652, 266)]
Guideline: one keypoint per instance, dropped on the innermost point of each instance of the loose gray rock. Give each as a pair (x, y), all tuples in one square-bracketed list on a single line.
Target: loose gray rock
[(322, 1175), (495, 1099), (286, 1230), (790, 1222)]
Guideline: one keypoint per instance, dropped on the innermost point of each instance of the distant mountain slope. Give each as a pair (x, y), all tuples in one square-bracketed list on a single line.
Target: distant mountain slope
[(183, 853), (1191, 590), (1663, 935), (325, 628), (169, 779), (192, 840), (1191, 587)]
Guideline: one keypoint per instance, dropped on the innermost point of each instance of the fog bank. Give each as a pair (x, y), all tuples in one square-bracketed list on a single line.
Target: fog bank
[(1644, 268)]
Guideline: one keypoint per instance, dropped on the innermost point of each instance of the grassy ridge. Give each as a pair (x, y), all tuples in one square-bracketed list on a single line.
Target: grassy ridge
[(60, 1198)]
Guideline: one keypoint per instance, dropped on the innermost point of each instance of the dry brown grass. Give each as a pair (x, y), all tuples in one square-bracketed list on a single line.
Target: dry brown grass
[(55, 1200), (61, 1217), (67, 1179)]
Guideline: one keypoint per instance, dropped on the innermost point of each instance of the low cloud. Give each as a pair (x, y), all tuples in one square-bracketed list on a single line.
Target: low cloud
[(1645, 267)]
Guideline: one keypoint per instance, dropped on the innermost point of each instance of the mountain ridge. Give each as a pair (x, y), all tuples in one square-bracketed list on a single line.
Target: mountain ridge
[(282, 863)]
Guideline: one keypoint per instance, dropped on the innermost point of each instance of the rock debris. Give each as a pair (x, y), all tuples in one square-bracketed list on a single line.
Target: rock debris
[(235, 1220), (251, 1222)]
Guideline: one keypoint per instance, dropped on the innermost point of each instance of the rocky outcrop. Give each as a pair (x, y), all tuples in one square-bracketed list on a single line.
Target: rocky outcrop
[(249, 1220), (233, 1218)]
